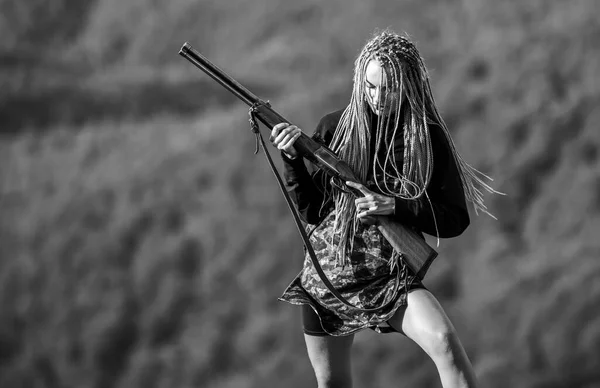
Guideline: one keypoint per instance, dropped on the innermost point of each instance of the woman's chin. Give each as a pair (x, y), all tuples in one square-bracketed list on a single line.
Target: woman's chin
[(382, 111), (375, 110)]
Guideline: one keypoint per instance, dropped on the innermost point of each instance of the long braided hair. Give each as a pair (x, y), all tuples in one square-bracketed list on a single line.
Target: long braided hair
[(406, 81)]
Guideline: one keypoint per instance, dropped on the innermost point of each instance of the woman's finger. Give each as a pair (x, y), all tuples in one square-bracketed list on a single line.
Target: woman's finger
[(285, 132), (363, 214), (365, 199), (286, 135), (371, 208), (276, 129), (289, 140), (365, 204), (359, 187)]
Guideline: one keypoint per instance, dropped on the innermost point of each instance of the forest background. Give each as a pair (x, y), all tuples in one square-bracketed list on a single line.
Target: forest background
[(144, 245)]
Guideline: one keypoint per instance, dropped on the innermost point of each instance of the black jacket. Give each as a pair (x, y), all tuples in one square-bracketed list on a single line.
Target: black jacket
[(445, 191)]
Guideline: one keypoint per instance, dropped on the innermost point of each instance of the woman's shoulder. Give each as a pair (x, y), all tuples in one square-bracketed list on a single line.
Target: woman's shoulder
[(331, 119), (327, 125)]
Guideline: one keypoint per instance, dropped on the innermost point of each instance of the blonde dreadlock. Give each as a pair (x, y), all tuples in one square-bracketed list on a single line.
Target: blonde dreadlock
[(405, 74)]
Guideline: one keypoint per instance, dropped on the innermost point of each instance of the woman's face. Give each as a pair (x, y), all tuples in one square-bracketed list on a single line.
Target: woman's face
[(380, 98)]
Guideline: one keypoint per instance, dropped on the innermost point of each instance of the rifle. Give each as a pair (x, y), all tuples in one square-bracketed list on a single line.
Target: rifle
[(413, 248)]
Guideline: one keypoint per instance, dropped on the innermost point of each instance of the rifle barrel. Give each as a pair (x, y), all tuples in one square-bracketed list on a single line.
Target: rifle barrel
[(201, 62)]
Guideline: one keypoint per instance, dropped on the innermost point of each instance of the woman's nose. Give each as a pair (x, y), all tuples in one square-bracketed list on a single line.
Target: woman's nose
[(375, 95)]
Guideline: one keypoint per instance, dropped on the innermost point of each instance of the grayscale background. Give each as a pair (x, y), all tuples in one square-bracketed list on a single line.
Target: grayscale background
[(143, 244)]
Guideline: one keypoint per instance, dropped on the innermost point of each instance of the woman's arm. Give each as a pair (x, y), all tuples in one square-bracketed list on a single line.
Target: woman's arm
[(306, 190), (310, 191)]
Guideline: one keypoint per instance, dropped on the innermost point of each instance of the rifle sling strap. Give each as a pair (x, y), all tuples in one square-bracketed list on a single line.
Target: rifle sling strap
[(260, 142)]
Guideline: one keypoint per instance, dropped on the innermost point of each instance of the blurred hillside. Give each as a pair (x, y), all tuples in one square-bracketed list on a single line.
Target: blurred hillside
[(143, 244)]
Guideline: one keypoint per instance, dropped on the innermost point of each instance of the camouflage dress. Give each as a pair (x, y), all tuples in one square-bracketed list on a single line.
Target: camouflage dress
[(374, 277)]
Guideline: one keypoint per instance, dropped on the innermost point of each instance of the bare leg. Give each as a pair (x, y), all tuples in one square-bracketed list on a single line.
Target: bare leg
[(330, 358), (425, 322)]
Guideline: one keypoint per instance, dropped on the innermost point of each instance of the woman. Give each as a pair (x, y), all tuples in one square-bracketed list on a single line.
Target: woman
[(394, 139)]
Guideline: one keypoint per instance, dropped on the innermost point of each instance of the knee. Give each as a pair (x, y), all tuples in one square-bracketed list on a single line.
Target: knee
[(441, 345)]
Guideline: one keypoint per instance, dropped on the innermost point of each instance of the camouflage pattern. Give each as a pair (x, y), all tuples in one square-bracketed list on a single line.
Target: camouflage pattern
[(375, 276)]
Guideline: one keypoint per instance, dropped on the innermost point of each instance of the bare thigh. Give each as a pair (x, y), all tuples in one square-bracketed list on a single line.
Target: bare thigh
[(422, 316), (424, 321), (330, 358)]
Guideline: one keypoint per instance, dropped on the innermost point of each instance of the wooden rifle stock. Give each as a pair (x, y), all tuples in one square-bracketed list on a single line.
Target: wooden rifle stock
[(415, 251)]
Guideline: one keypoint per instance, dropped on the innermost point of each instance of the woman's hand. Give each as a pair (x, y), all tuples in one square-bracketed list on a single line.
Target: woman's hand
[(283, 136), (372, 204)]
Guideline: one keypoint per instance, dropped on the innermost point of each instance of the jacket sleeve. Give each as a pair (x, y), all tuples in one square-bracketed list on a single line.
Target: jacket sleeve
[(443, 212), (308, 190)]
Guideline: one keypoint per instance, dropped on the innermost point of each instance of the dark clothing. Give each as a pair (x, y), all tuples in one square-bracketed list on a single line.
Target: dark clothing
[(445, 189)]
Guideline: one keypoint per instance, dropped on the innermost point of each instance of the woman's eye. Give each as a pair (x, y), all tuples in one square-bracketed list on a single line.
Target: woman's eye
[(372, 87)]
